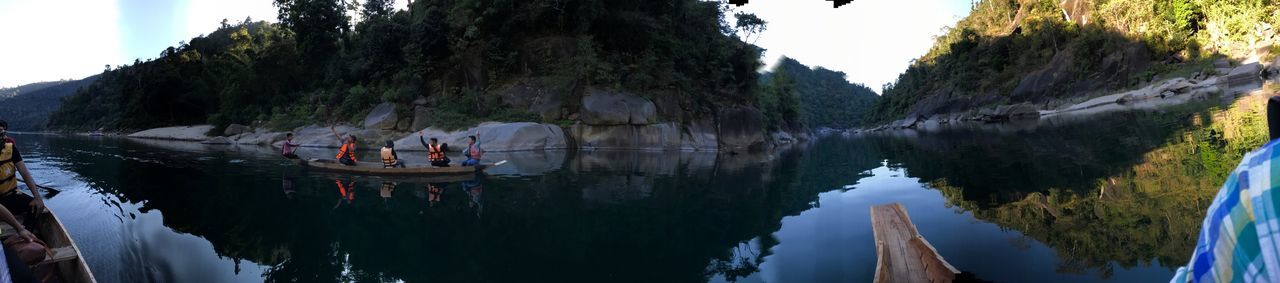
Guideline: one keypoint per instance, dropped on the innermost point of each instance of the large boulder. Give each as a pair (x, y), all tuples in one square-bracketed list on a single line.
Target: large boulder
[(740, 128), (259, 137), (1243, 75), (665, 136), (421, 117), (494, 137), (606, 108), (321, 136), (383, 117), (185, 133), (217, 140), (235, 129), (699, 135)]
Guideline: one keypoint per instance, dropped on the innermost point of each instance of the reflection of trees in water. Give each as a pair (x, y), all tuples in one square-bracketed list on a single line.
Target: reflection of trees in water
[(536, 228), (1144, 206)]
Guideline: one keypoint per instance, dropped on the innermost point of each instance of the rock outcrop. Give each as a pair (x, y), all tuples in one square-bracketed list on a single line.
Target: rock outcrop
[(740, 128), (235, 129), (609, 108), (494, 137), (182, 133), (382, 117), (623, 121)]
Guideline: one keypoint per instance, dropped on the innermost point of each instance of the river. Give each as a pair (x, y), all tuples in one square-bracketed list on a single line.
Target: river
[(1113, 198)]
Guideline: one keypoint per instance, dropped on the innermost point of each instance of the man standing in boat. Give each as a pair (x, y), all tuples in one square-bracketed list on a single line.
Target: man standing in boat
[(435, 151), (10, 166)]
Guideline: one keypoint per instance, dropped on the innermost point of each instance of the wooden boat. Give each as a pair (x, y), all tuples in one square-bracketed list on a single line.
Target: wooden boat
[(66, 262), (902, 255), (375, 168)]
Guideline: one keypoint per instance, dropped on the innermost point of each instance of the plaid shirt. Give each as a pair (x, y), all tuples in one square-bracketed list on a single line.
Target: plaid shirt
[(1239, 236)]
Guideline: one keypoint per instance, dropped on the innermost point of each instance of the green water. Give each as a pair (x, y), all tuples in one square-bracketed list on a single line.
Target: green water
[(1116, 198)]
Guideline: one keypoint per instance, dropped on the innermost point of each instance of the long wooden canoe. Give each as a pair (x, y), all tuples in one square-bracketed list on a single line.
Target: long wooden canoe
[(66, 262), (902, 255), (375, 168)]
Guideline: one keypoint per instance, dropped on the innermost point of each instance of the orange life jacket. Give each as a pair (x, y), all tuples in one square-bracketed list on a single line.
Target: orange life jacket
[(8, 170), (388, 157), (347, 150), (434, 153)]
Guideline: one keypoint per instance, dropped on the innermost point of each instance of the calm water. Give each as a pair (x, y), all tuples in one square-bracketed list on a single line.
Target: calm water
[(1117, 199)]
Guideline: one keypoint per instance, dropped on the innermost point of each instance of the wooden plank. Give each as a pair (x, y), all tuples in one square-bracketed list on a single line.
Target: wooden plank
[(902, 255), (60, 254)]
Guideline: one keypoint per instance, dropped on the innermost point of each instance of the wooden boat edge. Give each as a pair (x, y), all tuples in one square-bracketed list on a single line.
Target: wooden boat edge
[(78, 264)]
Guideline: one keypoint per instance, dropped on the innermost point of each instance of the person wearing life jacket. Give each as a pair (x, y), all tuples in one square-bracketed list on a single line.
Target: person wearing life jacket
[(389, 157), (473, 151), (435, 151), (288, 147), (346, 154), (11, 166)]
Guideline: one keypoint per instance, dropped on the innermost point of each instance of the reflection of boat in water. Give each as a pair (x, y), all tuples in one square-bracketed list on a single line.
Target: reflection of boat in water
[(372, 168), (65, 259)]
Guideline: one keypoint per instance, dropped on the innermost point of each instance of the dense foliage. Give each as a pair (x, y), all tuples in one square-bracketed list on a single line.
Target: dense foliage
[(822, 97), (459, 55), (985, 55)]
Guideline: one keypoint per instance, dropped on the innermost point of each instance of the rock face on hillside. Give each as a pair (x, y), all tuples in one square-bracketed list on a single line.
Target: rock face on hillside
[(624, 121), (610, 108), (740, 128), (383, 117)]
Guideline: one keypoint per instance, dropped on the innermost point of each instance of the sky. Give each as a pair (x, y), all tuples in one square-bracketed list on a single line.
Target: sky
[(871, 41), (43, 40)]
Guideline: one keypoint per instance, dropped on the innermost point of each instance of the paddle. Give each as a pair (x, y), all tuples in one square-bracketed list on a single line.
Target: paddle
[(52, 192)]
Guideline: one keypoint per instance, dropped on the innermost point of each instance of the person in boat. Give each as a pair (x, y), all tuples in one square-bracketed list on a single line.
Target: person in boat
[(288, 147), (473, 151), (389, 157), (435, 151), (11, 166), (13, 266), (347, 154), (1238, 237)]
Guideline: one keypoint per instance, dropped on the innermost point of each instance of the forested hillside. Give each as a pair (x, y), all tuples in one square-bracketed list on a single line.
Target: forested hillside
[(17, 90), (1041, 51), (29, 108), (824, 98), (463, 59)]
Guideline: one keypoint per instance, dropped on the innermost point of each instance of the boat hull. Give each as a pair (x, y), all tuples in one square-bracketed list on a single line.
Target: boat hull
[(376, 169)]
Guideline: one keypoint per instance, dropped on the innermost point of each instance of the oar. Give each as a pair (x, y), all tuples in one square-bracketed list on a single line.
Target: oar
[(52, 192)]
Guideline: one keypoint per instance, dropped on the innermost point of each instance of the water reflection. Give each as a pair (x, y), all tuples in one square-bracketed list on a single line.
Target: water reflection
[(1115, 199)]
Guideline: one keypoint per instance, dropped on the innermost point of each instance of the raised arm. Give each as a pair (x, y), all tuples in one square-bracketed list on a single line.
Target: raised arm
[(335, 132), (423, 141)]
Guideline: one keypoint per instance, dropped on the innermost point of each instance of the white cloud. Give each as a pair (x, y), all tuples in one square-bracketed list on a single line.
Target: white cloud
[(51, 40), (870, 40)]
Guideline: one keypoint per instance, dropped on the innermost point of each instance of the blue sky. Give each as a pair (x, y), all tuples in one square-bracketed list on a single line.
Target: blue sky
[(870, 40)]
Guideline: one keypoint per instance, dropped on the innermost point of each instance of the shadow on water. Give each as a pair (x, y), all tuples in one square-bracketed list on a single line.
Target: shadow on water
[(1123, 190)]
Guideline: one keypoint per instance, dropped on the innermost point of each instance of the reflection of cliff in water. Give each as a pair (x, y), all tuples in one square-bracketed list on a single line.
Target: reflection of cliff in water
[(1128, 188), (601, 217)]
